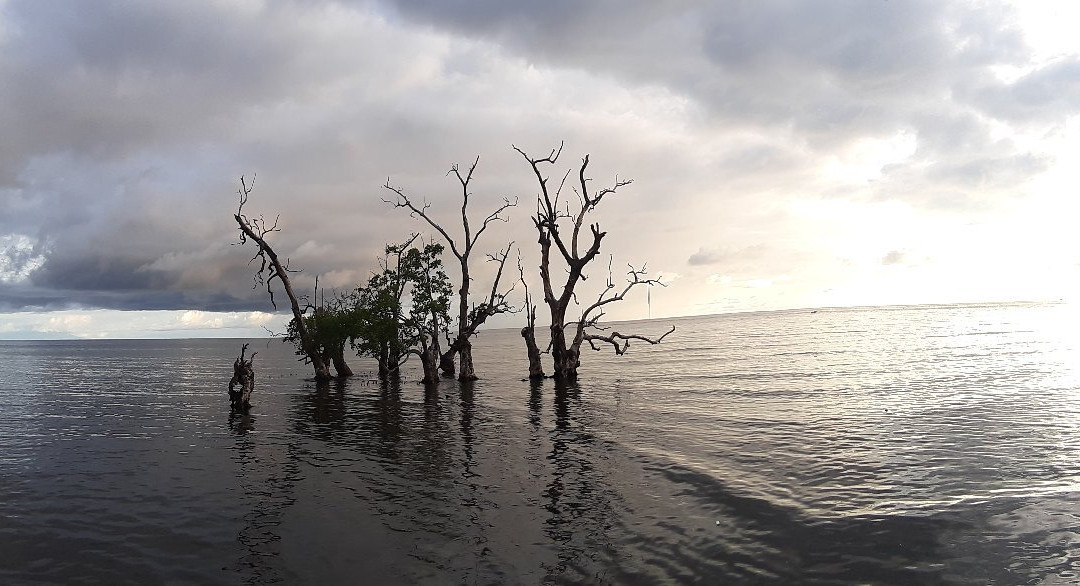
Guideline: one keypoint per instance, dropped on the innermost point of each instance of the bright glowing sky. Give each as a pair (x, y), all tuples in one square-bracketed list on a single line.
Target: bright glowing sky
[(784, 154)]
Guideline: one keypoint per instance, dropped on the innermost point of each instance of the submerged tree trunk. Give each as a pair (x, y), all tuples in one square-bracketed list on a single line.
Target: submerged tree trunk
[(464, 346), (435, 349), (340, 366), (429, 360), (244, 378), (466, 373), (564, 356), (393, 362), (384, 358), (536, 368), (446, 360)]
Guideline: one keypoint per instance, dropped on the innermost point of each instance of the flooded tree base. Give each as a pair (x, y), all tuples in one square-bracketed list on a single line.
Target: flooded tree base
[(242, 382)]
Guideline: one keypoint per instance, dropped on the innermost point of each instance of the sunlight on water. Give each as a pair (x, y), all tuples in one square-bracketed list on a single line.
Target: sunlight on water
[(884, 445)]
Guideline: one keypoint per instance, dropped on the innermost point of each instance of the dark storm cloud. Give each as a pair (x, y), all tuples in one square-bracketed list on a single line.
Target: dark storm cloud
[(821, 64), (86, 273), (108, 75), (19, 297)]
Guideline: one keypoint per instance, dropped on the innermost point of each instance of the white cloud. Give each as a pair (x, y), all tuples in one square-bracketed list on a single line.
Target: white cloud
[(20, 255), (104, 323)]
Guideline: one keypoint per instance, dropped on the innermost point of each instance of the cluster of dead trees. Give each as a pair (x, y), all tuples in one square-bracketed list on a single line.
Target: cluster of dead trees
[(405, 308)]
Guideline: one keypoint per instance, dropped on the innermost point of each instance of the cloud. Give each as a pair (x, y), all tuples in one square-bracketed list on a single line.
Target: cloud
[(704, 257), (719, 256), (127, 126), (20, 255), (893, 257), (860, 70), (1046, 94), (66, 324)]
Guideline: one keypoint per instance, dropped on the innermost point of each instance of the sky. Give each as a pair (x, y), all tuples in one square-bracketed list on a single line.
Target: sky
[(784, 154)]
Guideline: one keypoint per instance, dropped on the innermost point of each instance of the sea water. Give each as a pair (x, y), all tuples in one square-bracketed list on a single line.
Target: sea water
[(932, 444)]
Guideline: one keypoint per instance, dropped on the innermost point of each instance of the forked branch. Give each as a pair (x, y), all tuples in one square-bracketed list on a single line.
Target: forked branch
[(621, 342)]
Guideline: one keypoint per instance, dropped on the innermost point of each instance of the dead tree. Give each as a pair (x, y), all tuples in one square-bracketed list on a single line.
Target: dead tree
[(244, 378), (576, 253), (270, 268), (468, 319), (536, 367)]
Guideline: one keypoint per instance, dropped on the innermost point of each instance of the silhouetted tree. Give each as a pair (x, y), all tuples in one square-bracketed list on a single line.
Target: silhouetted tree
[(468, 319), (563, 228)]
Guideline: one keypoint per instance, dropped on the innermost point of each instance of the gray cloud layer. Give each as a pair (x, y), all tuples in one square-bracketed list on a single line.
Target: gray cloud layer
[(126, 125)]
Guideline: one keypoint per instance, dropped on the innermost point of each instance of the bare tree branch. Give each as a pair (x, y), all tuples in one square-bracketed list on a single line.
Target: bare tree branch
[(621, 342), (403, 201)]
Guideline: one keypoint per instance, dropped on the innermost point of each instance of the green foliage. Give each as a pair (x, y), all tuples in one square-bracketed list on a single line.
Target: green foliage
[(330, 326), (430, 293), (402, 308), (378, 324)]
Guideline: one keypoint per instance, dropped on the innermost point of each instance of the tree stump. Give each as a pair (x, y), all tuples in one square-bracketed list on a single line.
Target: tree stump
[(242, 382)]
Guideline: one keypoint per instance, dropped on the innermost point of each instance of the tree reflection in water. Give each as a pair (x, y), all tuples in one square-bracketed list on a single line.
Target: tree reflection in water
[(241, 422), (580, 502), (448, 489), (266, 475)]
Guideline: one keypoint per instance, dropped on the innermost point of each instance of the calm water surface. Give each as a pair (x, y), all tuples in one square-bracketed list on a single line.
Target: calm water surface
[(888, 445)]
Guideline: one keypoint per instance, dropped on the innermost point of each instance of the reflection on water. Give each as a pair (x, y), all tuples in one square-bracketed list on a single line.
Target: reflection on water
[(894, 445), (241, 422)]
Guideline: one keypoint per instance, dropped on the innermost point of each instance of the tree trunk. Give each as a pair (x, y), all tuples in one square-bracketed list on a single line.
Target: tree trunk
[(536, 368), (384, 359), (435, 330), (565, 359), (465, 355), (429, 359), (464, 346), (340, 366), (393, 361), (446, 361)]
